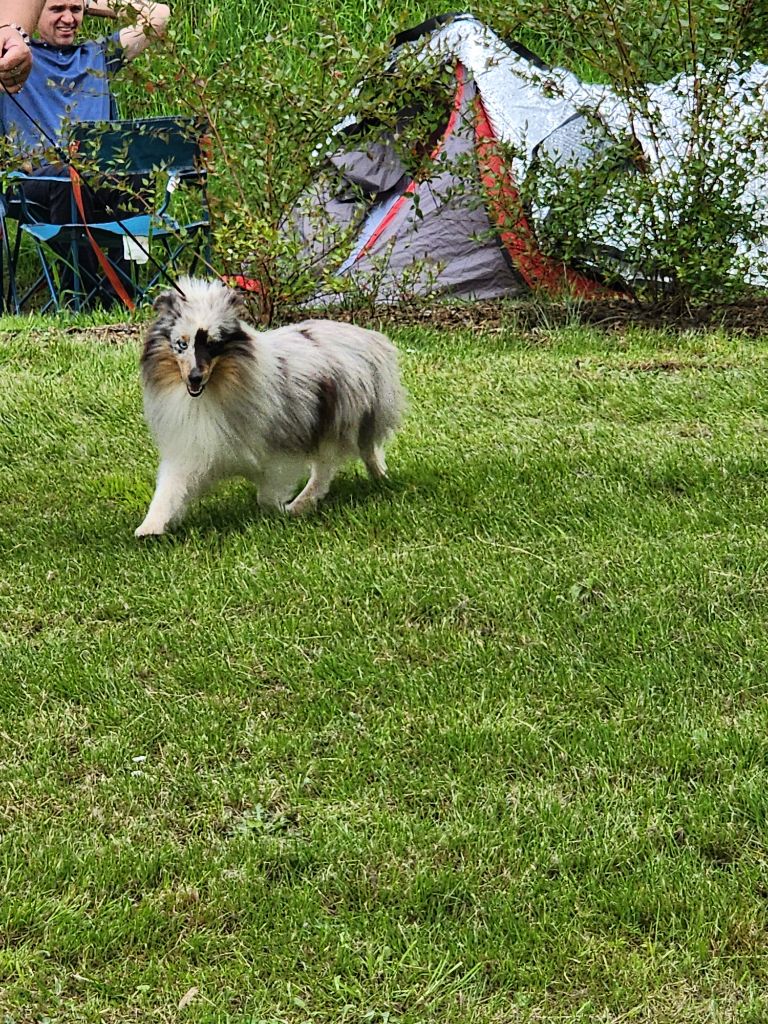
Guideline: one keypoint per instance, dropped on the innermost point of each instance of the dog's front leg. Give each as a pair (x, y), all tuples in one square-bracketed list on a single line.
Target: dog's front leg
[(277, 483), (174, 490)]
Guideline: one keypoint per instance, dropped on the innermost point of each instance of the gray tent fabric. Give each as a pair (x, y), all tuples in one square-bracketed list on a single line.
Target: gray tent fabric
[(328, 216), (389, 231), (400, 237), (377, 168), (438, 239)]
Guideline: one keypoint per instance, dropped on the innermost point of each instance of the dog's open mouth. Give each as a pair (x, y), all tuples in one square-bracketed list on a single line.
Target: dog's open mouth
[(195, 390)]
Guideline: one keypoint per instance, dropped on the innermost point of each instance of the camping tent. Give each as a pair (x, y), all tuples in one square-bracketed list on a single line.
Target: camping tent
[(453, 222)]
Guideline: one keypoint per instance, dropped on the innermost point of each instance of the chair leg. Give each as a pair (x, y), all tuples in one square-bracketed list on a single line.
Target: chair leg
[(3, 262), (11, 302), (101, 286), (48, 275), (77, 280)]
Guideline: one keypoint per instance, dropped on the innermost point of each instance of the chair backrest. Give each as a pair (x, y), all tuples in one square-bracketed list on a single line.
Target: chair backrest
[(142, 146)]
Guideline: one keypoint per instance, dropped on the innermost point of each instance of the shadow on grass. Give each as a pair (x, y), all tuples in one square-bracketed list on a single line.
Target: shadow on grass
[(232, 509), (103, 528)]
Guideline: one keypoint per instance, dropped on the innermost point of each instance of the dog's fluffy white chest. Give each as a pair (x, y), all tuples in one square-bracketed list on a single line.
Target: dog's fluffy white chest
[(204, 432)]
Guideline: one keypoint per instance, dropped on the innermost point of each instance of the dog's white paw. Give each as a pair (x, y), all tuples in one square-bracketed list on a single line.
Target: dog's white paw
[(270, 503), (149, 530), (300, 508)]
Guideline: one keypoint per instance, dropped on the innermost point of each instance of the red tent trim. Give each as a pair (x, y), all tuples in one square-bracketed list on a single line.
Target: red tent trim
[(538, 270)]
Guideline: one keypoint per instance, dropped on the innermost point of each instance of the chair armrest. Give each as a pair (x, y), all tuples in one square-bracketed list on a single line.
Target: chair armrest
[(22, 176)]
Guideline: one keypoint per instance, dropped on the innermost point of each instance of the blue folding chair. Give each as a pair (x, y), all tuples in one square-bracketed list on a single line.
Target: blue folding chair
[(170, 234)]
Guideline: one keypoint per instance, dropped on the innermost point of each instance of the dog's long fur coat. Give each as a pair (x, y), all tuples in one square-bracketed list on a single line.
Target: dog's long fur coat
[(223, 399)]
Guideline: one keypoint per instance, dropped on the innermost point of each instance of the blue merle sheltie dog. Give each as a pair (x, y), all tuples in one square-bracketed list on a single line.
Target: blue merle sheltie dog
[(223, 399)]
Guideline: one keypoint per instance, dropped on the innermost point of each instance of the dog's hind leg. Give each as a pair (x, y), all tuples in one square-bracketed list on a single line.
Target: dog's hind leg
[(316, 488), (174, 490), (375, 463), (371, 453)]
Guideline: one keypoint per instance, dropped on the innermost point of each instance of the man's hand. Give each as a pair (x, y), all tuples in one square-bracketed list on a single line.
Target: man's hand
[(15, 59)]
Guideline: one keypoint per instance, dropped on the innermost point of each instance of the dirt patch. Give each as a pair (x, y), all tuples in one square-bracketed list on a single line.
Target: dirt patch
[(748, 317), (114, 334)]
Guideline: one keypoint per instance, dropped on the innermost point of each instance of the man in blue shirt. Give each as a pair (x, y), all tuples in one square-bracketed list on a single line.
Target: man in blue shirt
[(70, 82)]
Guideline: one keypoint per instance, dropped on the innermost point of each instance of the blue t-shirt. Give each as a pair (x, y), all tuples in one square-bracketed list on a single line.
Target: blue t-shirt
[(67, 84)]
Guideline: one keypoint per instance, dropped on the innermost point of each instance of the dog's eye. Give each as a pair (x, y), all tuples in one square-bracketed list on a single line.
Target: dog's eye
[(181, 344)]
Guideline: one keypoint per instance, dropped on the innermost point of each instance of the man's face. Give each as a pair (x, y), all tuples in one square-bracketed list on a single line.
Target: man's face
[(60, 22)]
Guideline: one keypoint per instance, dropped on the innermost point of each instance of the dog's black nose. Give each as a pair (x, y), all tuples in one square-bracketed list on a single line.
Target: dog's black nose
[(195, 383)]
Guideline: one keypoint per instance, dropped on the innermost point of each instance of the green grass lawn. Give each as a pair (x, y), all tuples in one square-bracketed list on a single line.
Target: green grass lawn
[(486, 744)]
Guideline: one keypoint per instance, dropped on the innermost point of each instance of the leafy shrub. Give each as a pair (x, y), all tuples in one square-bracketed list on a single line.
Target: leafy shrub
[(672, 204)]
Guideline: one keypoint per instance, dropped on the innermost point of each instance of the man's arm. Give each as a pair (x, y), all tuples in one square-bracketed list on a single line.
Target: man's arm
[(15, 55), (149, 20), (21, 12)]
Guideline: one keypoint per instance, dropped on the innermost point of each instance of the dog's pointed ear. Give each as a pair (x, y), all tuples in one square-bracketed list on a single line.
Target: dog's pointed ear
[(236, 300), (167, 302)]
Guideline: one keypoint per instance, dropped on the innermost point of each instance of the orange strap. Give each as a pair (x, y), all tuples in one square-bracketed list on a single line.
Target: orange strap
[(106, 266)]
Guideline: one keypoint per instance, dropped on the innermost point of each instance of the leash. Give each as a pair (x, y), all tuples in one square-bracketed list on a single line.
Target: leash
[(109, 271), (78, 181)]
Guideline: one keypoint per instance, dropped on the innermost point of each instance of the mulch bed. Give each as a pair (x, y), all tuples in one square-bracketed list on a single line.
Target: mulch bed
[(749, 318)]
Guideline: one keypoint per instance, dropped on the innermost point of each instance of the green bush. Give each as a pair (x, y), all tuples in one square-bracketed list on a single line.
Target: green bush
[(684, 229)]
